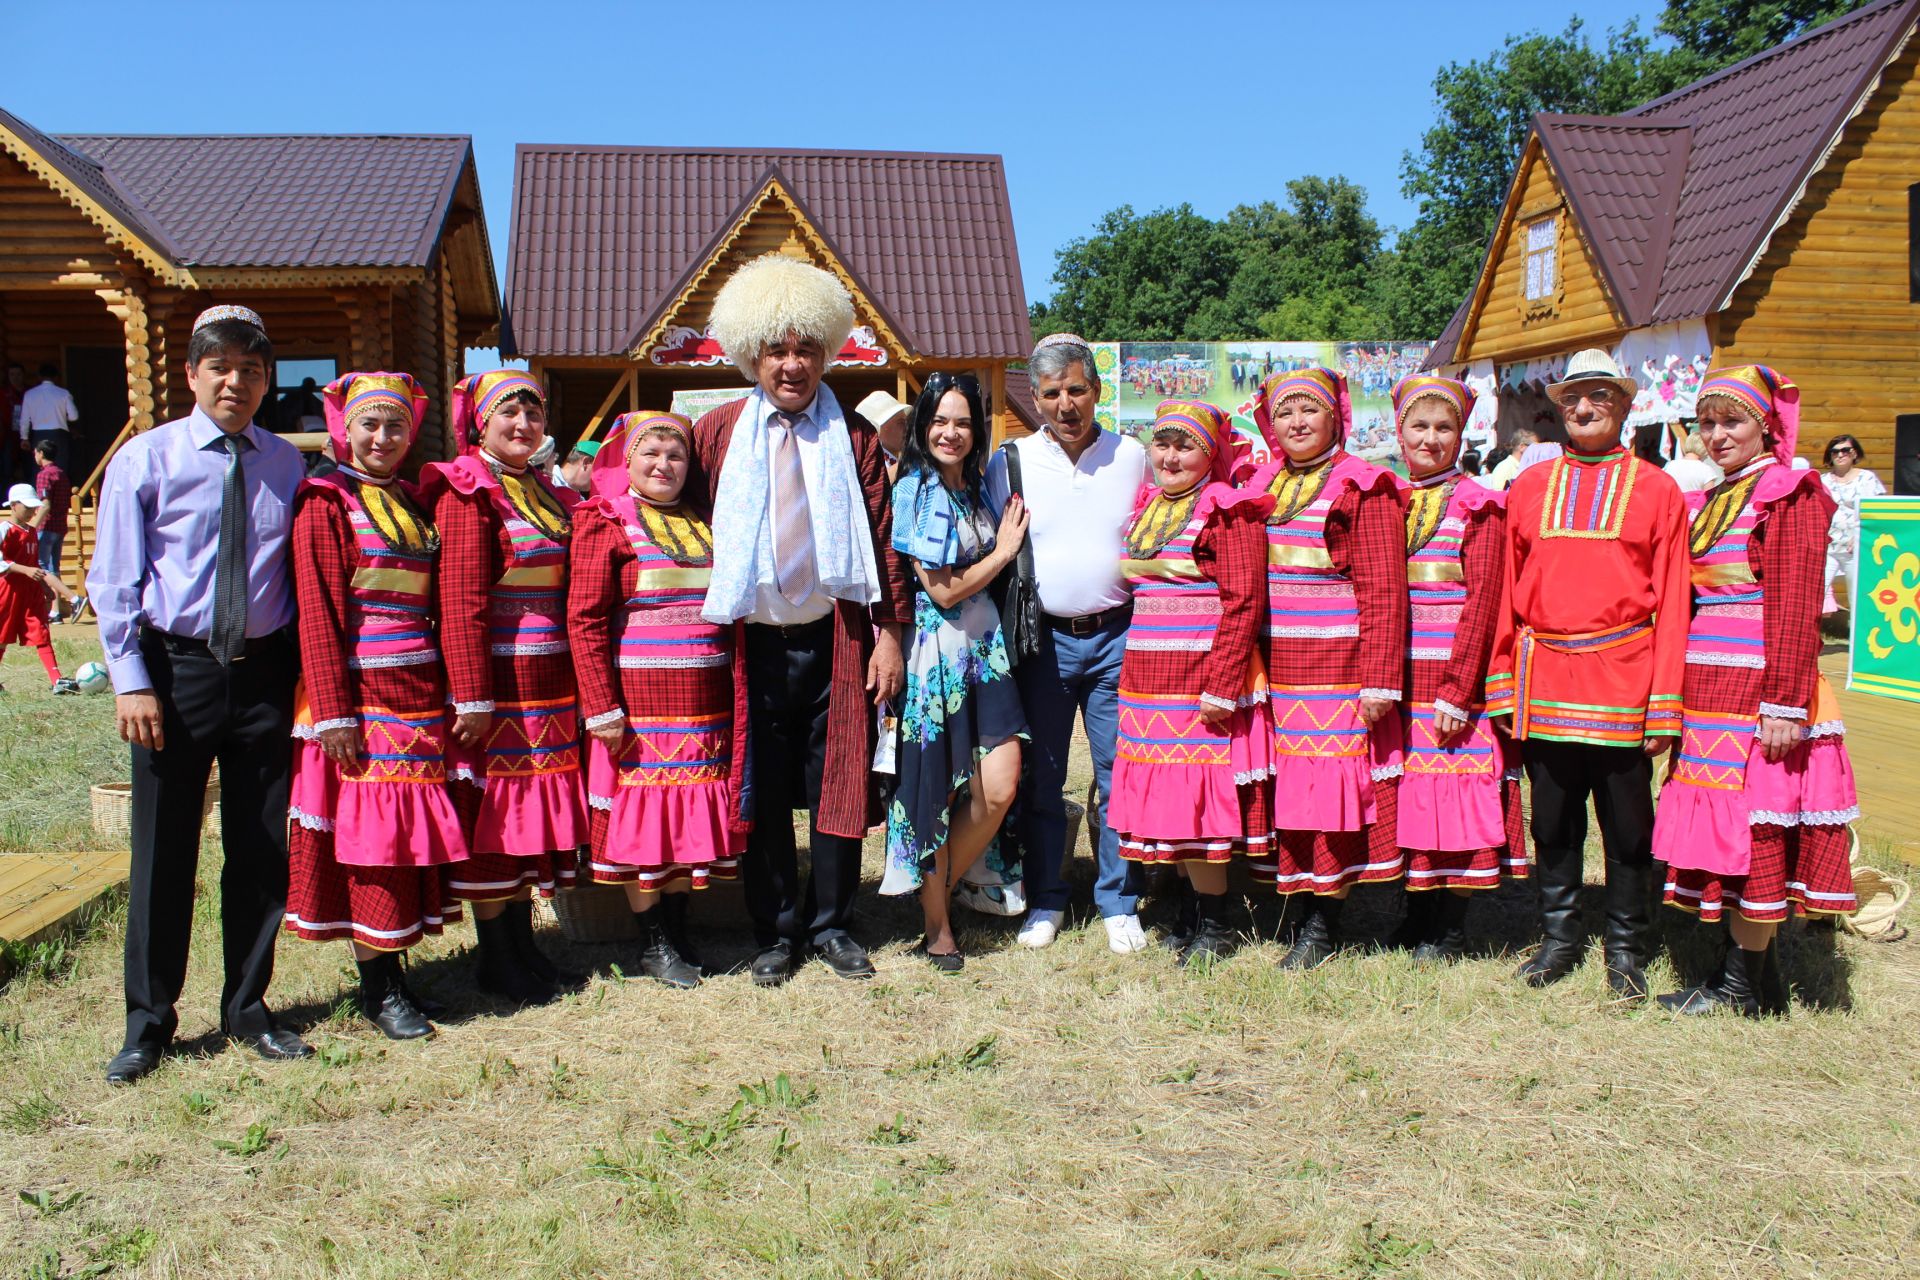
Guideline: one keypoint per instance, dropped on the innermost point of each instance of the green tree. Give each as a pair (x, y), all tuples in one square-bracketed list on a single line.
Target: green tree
[(1162, 275), (1711, 34), (1303, 269)]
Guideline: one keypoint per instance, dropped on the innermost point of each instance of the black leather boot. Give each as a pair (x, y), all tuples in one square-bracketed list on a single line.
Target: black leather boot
[(1212, 941), (384, 1003), (1771, 988), (658, 959), (1448, 938), (1733, 989), (1557, 876), (673, 919), (1186, 919), (520, 917), (1421, 923), (425, 1004), (1314, 944), (501, 972), (1629, 928)]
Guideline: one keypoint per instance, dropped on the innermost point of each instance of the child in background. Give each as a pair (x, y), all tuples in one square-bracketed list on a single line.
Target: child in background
[(24, 585)]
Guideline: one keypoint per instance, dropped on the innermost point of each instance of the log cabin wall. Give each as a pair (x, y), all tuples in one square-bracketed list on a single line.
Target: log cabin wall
[(1507, 327), (1831, 302)]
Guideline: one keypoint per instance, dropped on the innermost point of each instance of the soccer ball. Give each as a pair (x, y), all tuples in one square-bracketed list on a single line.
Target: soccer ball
[(92, 678)]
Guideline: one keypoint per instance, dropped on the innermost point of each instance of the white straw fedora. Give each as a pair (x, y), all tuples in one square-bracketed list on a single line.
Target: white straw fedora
[(1592, 365), (878, 407)]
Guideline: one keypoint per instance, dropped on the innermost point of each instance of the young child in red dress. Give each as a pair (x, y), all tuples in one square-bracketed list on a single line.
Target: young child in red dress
[(23, 586)]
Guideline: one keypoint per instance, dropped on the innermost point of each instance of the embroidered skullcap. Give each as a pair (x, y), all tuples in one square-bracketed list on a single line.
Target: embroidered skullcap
[(351, 394), (608, 478), (1061, 340), (228, 311), (1325, 387), (1416, 387), (475, 399), (1766, 395)]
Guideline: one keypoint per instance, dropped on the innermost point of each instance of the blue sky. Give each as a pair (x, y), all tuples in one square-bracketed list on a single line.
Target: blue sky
[(1093, 106)]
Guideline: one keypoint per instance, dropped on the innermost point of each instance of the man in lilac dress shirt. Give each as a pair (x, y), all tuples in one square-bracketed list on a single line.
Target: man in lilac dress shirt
[(194, 593)]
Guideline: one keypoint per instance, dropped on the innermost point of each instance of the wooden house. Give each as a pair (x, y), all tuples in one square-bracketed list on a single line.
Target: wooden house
[(1767, 214), (617, 252), (358, 252)]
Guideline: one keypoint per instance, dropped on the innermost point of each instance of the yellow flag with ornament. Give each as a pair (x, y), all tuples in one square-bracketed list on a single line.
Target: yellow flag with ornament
[(1885, 650)]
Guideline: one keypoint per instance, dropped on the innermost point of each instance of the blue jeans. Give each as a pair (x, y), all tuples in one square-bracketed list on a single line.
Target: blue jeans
[(50, 554), (1072, 673)]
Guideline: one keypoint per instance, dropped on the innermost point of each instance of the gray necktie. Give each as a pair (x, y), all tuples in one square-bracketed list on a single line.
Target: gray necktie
[(229, 638)]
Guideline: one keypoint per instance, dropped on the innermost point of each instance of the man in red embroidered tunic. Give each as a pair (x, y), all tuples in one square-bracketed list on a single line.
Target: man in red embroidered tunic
[(1597, 576), (802, 551)]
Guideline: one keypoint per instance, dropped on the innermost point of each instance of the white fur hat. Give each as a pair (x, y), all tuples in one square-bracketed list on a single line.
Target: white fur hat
[(773, 296)]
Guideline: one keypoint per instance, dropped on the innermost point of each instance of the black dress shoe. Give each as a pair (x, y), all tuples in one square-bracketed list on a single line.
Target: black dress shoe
[(132, 1062), (276, 1044), (773, 966), (944, 961), (847, 958), (384, 1001)]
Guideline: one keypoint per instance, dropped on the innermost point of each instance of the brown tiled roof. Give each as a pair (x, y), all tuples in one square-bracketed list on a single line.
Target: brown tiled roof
[(287, 201), (1760, 129), (1020, 398), (86, 173), (1679, 197), (1622, 179), (604, 237)]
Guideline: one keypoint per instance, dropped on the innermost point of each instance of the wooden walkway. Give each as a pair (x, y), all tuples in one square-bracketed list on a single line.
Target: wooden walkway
[(1883, 738), (40, 892)]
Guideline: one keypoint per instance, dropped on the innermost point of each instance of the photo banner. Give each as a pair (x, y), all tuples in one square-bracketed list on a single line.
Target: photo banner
[(1229, 374), (1884, 653)]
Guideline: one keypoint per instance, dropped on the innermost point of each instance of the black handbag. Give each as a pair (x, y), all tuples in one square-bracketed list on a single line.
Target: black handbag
[(1017, 590)]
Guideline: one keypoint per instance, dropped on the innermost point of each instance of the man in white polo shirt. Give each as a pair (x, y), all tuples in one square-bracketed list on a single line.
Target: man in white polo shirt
[(1080, 483)]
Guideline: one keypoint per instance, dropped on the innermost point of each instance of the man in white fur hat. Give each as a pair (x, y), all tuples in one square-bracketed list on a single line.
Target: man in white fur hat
[(802, 535), (1596, 635)]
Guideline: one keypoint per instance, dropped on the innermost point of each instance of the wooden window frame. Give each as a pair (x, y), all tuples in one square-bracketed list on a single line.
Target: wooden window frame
[(1548, 303)]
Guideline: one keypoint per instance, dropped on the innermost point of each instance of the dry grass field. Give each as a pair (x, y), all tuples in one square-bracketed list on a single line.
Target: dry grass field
[(1060, 1113)]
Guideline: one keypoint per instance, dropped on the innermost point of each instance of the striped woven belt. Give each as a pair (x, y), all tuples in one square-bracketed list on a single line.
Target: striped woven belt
[(1570, 642)]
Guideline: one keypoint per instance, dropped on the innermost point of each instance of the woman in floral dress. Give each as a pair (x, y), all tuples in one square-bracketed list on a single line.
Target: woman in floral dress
[(961, 723)]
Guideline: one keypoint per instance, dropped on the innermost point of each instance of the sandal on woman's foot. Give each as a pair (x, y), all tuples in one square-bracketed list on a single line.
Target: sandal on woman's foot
[(944, 961)]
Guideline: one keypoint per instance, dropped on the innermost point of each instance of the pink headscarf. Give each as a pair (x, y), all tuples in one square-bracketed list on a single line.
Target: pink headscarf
[(475, 398), (608, 478), (1767, 395), (348, 394), (1327, 387)]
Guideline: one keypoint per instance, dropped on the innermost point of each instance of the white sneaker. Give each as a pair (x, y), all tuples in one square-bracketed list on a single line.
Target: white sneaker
[(991, 899), (1124, 935), (1041, 928)]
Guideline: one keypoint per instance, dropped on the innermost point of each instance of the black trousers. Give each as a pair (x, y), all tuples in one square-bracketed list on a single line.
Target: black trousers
[(789, 680), (1620, 780), (239, 715)]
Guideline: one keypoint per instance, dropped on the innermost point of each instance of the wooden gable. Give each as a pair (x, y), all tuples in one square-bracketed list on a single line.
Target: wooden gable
[(46, 242), (770, 221), (1502, 323)]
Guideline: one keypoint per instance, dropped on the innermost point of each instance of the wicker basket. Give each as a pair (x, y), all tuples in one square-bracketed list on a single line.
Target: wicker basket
[(595, 913), (113, 811)]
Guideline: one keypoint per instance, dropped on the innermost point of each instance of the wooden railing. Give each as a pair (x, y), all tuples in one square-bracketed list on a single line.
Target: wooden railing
[(79, 520)]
